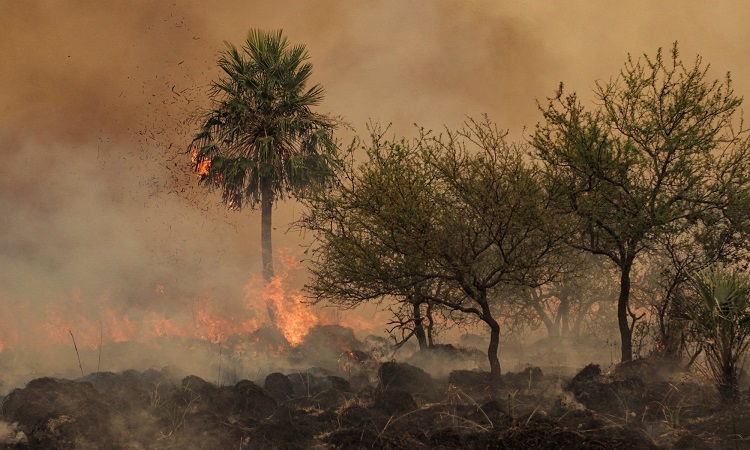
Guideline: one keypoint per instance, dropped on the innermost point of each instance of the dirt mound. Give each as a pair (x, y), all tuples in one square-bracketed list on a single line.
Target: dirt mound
[(610, 394), (441, 359), (324, 345), (408, 409), (393, 401), (587, 373), (526, 378), (60, 414), (407, 378), (269, 337), (135, 410), (317, 391), (474, 382), (543, 435), (279, 386)]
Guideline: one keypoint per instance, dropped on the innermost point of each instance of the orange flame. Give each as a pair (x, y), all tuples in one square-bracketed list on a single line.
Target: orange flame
[(293, 317), (200, 166), (98, 321)]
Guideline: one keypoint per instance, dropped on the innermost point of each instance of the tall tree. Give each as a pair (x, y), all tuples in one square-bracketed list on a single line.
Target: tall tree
[(454, 219), (663, 150), (261, 140)]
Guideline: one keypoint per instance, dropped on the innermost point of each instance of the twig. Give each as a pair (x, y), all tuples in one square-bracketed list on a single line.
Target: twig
[(77, 354), (462, 394), (218, 379), (101, 333), (532, 413)]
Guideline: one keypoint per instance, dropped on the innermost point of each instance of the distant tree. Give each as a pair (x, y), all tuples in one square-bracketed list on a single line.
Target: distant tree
[(564, 306), (261, 141), (454, 219), (663, 150), (719, 316), (413, 317)]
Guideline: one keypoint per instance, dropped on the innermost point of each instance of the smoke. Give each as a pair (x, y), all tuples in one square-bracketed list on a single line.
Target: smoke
[(99, 103)]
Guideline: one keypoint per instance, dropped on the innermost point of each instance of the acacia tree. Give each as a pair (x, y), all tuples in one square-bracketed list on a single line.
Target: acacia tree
[(454, 219), (261, 140), (658, 153)]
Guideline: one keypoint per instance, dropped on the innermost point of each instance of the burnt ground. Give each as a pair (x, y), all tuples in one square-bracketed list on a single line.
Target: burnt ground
[(384, 406)]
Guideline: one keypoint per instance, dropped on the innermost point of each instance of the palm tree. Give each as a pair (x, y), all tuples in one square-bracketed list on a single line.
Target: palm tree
[(261, 141), (719, 315)]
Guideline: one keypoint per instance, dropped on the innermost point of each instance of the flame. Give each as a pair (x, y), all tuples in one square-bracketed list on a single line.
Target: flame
[(294, 318), (161, 326), (216, 327), (103, 319), (200, 166), (353, 361)]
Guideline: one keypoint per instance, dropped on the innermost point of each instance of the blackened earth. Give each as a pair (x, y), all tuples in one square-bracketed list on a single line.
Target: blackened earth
[(387, 406)]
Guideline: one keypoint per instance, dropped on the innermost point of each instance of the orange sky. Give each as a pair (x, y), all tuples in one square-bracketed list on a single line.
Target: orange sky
[(98, 96)]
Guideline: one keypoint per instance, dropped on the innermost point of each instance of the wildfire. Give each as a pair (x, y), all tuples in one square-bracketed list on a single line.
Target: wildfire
[(104, 319)]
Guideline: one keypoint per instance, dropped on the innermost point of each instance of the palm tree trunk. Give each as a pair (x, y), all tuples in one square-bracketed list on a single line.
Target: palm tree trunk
[(266, 246)]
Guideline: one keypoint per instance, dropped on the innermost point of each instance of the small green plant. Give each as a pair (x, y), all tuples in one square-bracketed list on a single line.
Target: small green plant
[(719, 318)]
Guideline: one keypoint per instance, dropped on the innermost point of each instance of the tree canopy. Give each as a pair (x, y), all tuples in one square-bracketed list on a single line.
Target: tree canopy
[(662, 152), (261, 127), (453, 218)]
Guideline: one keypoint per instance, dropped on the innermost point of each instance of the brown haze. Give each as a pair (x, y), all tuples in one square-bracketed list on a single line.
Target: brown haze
[(97, 100)]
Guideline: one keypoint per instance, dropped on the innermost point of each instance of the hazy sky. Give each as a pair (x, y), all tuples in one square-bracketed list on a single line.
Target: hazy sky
[(97, 99)]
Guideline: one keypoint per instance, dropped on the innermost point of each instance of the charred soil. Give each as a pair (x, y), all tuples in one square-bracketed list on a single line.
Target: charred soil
[(402, 407)]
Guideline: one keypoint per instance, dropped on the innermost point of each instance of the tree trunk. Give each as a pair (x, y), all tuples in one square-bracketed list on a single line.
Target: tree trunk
[(536, 304), (671, 339), (585, 307), (430, 325), (419, 328), (564, 313), (496, 380), (626, 334), (266, 246), (728, 384)]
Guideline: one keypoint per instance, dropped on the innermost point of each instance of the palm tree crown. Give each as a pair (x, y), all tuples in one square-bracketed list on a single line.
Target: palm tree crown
[(261, 134)]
